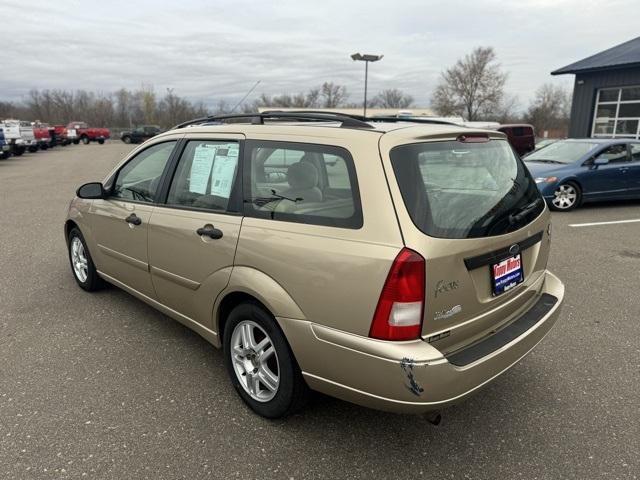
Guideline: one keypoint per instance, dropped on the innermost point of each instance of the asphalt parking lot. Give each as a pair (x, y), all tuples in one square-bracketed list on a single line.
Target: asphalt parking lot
[(103, 386)]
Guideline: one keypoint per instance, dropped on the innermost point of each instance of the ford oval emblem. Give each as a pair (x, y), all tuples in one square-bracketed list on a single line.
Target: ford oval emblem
[(514, 249)]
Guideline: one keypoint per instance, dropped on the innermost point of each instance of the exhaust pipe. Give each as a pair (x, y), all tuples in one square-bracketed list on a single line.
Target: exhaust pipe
[(434, 418)]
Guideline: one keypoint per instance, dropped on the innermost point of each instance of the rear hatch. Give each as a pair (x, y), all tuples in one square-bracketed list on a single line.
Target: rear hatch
[(468, 205)]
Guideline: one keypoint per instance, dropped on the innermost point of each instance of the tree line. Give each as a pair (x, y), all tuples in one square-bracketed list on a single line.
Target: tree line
[(125, 108), (472, 88)]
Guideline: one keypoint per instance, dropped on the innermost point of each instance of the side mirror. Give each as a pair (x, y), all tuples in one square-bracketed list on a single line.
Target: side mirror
[(91, 190), (601, 161)]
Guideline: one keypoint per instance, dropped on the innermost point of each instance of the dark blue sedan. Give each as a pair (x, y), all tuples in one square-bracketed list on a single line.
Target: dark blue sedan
[(571, 172)]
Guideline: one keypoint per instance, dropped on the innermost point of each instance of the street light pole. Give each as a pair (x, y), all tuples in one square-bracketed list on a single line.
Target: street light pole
[(366, 59), (366, 76)]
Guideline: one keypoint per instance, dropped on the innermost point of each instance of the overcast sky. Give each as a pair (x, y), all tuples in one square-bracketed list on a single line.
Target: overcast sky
[(218, 49)]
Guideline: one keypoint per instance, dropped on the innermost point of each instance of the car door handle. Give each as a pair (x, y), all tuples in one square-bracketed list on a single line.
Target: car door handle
[(209, 231), (133, 219)]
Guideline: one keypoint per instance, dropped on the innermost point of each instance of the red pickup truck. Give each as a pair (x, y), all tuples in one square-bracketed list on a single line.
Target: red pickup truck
[(59, 135), (81, 132), (42, 135)]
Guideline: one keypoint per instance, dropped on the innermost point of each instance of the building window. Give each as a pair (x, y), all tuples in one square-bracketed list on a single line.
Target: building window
[(617, 113)]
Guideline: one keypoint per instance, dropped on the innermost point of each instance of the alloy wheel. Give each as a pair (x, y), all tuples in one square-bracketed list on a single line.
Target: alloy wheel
[(255, 361), (565, 197), (79, 260)]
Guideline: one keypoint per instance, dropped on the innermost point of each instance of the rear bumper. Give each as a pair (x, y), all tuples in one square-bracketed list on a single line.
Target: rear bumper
[(414, 377)]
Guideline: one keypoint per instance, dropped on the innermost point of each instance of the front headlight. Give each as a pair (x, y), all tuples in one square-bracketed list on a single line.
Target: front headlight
[(546, 179)]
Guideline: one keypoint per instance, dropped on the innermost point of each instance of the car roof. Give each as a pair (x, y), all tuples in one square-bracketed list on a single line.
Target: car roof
[(399, 131)]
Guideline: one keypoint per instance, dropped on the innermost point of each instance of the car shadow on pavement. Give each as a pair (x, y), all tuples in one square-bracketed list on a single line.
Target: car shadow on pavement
[(610, 204)]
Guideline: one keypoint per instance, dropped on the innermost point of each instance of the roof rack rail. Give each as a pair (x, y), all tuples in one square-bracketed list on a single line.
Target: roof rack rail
[(346, 121), (376, 118)]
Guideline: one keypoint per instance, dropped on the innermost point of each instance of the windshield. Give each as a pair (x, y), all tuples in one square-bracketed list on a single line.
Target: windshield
[(465, 190), (562, 152)]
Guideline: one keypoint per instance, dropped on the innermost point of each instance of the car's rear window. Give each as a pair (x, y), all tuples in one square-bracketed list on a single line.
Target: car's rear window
[(465, 190)]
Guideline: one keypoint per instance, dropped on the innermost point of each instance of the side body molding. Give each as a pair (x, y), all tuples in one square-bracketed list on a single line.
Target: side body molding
[(263, 287)]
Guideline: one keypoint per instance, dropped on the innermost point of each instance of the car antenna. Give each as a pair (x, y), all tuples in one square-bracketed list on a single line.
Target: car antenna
[(244, 98)]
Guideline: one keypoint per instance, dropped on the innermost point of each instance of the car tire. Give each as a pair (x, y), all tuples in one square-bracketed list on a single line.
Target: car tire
[(126, 139), (101, 141), (249, 333), (566, 197), (76, 142), (85, 140), (82, 267), (33, 149)]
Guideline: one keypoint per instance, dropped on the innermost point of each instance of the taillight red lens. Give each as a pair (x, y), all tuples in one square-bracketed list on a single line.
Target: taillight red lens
[(400, 308)]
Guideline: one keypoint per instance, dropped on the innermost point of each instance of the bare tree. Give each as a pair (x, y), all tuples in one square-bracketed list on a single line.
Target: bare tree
[(507, 111), (550, 108), (333, 95), (102, 113), (173, 109), (64, 102), (473, 87), (149, 104), (286, 100), (122, 115), (392, 98), (12, 110)]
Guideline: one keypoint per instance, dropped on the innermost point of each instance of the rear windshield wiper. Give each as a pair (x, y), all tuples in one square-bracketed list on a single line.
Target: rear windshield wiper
[(523, 211)]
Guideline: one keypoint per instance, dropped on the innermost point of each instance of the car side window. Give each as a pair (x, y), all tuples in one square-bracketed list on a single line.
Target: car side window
[(635, 152), (138, 180), (615, 153), (205, 177), (304, 183)]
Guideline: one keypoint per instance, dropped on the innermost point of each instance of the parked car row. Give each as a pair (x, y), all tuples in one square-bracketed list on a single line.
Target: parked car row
[(19, 136)]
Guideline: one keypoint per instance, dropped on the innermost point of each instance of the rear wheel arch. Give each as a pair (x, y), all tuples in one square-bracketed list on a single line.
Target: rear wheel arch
[(264, 289), (247, 284), (232, 300)]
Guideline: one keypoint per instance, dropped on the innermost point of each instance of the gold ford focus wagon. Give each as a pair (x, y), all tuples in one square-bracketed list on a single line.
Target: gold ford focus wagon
[(399, 265)]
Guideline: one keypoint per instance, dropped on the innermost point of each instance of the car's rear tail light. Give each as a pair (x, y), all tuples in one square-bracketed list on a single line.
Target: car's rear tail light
[(400, 308)]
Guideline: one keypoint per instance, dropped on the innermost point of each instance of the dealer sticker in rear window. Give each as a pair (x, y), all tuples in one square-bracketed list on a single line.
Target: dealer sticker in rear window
[(507, 274)]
